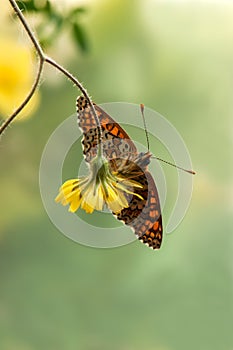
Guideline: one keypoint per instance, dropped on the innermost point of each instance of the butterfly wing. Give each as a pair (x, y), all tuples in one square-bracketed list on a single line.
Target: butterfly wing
[(150, 231), (115, 141), (143, 214)]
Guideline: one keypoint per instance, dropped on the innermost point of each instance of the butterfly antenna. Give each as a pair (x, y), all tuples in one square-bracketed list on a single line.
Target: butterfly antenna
[(175, 166), (145, 127), (148, 145)]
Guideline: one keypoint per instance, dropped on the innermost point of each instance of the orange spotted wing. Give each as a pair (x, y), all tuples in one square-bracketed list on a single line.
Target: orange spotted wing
[(143, 215)]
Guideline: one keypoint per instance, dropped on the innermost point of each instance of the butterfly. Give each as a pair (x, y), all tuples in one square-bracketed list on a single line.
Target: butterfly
[(143, 213)]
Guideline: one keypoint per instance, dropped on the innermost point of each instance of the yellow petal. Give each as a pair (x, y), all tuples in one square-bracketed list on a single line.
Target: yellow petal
[(123, 201), (116, 200), (74, 205), (59, 197), (70, 183), (90, 198), (132, 183), (69, 194), (100, 199), (115, 206), (85, 206)]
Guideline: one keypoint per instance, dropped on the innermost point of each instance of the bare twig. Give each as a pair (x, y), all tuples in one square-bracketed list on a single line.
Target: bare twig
[(72, 78), (42, 59), (26, 27)]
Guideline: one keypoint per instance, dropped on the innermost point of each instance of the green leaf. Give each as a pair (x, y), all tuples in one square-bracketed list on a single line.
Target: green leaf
[(48, 8), (80, 37), (29, 5), (77, 11)]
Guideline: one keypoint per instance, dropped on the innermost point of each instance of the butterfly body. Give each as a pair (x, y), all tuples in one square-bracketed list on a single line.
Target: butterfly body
[(143, 213)]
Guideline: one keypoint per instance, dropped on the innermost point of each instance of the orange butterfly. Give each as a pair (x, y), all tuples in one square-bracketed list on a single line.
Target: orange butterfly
[(143, 212)]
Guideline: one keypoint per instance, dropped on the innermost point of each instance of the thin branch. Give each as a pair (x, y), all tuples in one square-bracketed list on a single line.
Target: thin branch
[(74, 80), (42, 59), (27, 28)]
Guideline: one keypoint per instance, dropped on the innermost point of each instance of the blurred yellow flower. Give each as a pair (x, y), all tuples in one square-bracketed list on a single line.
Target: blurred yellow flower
[(16, 78), (100, 188)]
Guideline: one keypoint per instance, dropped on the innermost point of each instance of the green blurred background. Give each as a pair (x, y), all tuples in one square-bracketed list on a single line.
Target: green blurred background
[(176, 58)]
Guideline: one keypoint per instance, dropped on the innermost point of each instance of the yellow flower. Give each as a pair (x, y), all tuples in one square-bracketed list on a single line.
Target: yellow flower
[(100, 188), (16, 78)]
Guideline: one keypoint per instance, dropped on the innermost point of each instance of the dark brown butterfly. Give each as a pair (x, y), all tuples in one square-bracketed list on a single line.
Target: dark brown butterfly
[(143, 214)]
